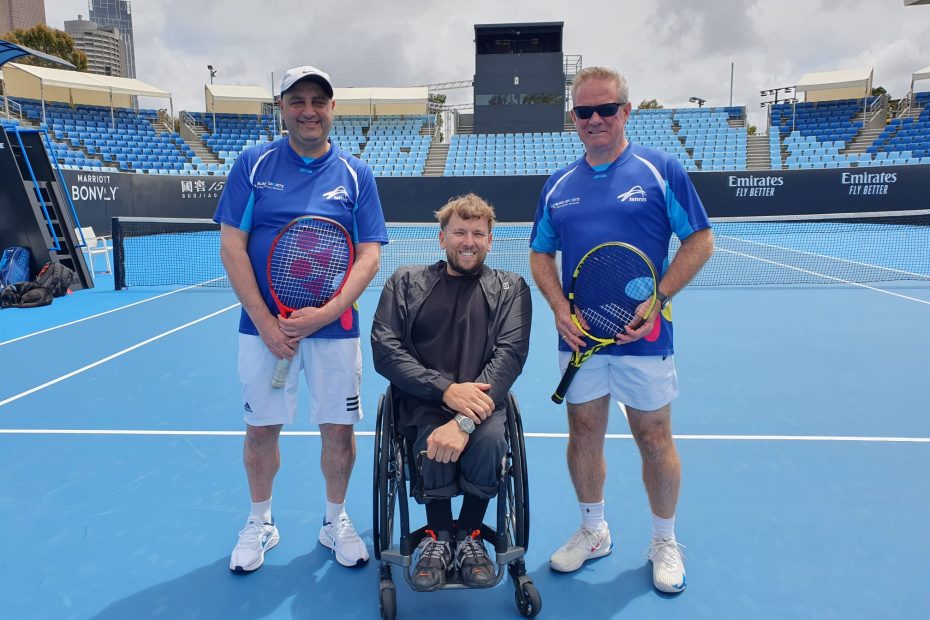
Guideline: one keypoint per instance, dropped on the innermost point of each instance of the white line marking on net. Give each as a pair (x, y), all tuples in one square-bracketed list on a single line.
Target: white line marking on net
[(129, 432), (818, 255), (821, 275), (100, 314), (114, 356)]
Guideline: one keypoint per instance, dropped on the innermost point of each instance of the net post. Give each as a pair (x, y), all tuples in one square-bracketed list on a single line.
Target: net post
[(119, 256)]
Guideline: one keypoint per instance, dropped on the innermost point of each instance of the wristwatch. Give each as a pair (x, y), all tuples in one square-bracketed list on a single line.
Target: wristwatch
[(663, 299), (465, 423)]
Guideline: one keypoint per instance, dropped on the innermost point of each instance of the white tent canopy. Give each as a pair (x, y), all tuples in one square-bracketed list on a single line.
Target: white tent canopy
[(828, 85), (226, 92), (75, 87), (923, 74), (381, 101), (226, 98), (131, 86)]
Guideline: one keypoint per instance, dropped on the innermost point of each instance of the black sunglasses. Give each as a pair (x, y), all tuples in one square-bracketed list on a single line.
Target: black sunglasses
[(604, 110)]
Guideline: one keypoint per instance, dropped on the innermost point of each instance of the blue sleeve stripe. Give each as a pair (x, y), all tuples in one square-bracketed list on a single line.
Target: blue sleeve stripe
[(246, 223), (546, 239), (677, 216)]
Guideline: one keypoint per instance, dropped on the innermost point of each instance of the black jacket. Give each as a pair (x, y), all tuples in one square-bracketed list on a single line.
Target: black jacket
[(506, 348)]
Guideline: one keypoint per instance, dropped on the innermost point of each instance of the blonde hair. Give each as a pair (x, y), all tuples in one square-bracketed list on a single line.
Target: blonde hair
[(602, 73), (468, 207)]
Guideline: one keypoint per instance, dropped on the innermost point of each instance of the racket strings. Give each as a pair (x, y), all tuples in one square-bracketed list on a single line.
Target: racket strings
[(309, 264), (609, 286)]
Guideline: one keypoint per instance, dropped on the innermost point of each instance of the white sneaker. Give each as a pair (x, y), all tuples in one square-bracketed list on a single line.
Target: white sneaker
[(668, 565), (584, 545), (254, 540), (340, 536)]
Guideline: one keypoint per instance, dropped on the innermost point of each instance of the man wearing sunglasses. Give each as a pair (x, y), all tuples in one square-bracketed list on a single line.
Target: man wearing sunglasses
[(619, 191)]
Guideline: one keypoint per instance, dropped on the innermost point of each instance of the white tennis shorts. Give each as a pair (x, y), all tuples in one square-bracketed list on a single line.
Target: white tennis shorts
[(331, 366), (646, 383)]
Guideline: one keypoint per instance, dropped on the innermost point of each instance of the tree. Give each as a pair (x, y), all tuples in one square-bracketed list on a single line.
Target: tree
[(877, 91), (652, 104), (51, 41)]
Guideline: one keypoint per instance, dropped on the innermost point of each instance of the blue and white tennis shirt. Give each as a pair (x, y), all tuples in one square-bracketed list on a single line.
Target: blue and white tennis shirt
[(270, 185), (641, 199)]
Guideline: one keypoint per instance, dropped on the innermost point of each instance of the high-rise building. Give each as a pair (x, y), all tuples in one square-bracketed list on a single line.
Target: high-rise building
[(16, 14), (118, 14), (103, 46)]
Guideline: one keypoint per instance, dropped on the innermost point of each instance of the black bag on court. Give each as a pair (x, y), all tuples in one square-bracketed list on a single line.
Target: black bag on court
[(56, 278), (25, 295)]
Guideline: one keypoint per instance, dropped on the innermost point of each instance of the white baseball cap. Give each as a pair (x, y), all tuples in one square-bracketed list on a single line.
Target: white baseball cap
[(292, 76)]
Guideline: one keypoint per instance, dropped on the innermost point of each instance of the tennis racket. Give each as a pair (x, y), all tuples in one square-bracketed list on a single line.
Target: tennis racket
[(608, 285), (308, 264)]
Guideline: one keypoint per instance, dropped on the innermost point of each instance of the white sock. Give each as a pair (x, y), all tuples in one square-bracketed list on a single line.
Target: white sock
[(663, 528), (592, 516), (334, 510), (261, 510)]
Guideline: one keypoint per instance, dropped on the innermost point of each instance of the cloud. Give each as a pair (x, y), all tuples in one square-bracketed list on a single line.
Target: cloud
[(668, 49)]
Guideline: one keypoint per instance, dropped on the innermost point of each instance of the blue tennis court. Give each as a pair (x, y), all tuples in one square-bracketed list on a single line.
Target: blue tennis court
[(801, 425)]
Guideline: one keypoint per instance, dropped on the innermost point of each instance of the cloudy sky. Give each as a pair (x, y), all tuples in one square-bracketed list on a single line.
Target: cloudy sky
[(669, 50)]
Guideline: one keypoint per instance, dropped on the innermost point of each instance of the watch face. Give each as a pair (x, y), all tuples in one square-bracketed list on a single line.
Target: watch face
[(465, 423)]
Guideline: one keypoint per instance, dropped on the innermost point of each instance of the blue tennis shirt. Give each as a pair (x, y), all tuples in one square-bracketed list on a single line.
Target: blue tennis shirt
[(642, 198), (270, 185)]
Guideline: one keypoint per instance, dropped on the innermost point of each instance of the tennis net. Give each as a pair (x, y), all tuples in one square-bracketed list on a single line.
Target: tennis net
[(785, 250)]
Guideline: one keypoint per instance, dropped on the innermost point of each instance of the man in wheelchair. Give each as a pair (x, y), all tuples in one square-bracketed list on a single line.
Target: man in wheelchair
[(452, 338)]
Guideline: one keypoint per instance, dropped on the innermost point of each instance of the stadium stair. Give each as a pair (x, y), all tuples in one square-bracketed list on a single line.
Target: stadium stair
[(757, 153), (436, 160)]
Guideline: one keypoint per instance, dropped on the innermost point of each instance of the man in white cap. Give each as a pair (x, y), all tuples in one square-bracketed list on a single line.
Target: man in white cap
[(270, 184)]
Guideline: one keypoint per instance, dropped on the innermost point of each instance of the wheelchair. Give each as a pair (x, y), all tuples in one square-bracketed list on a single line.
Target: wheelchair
[(395, 467)]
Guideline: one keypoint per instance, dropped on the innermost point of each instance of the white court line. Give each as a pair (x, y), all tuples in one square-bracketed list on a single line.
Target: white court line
[(100, 314), (821, 275), (114, 356), (840, 438)]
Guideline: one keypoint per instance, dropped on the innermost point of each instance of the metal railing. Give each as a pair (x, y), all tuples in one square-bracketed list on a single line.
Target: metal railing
[(872, 110), (12, 108), (188, 120), (166, 120), (904, 106)]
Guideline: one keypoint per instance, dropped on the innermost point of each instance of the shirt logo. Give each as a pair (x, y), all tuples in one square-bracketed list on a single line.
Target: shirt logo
[(634, 194), (279, 187), (568, 202), (339, 193)]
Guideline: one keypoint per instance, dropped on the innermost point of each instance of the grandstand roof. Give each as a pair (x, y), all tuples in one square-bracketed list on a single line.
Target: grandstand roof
[(832, 80), (226, 92), (75, 80), (923, 74)]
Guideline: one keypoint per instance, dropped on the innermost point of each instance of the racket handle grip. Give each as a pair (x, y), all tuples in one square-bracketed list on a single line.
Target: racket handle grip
[(559, 395), (280, 373)]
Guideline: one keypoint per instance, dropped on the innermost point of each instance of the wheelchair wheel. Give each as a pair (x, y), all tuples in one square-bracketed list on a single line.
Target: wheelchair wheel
[(385, 479), (388, 600), (529, 603), (377, 480), (519, 485)]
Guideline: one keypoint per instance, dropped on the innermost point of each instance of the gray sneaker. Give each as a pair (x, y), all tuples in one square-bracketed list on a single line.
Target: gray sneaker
[(473, 562), (434, 558)]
